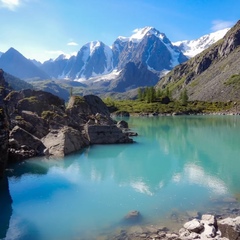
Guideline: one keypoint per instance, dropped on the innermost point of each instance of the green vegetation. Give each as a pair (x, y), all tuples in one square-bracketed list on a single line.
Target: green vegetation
[(78, 99), (49, 115), (143, 106), (16, 83), (18, 118), (184, 97), (234, 80), (32, 99), (148, 94), (173, 86)]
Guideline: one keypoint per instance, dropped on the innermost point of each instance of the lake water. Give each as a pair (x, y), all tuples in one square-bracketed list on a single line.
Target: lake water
[(177, 167)]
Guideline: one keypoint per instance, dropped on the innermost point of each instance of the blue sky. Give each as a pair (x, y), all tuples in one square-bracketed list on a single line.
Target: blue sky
[(43, 29)]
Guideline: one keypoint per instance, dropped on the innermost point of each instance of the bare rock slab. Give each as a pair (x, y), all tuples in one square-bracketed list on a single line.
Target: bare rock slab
[(63, 141)]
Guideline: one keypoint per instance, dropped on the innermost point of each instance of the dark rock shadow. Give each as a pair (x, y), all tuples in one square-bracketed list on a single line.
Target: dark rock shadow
[(5, 207)]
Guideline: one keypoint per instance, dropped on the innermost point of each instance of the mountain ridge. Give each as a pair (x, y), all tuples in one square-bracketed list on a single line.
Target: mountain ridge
[(212, 75), (147, 51), (16, 64)]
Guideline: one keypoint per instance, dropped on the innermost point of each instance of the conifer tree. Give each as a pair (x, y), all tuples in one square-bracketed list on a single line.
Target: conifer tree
[(184, 96), (140, 94)]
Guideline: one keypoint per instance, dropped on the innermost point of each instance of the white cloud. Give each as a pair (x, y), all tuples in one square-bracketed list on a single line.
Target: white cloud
[(72, 44), (10, 4), (220, 24)]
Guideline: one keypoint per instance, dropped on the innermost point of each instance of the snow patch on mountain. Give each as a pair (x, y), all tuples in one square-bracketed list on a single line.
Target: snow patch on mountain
[(107, 77), (109, 56), (191, 48), (140, 33)]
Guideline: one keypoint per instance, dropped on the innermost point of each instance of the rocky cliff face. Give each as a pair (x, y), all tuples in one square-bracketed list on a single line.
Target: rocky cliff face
[(4, 126), (212, 75), (132, 76)]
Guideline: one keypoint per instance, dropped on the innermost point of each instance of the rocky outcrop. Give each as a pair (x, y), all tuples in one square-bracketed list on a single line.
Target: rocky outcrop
[(23, 145), (81, 108), (4, 126), (41, 125)]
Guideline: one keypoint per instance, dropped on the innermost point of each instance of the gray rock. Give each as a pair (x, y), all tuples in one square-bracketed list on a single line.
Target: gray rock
[(194, 226), (22, 137), (133, 217), (61, 142), (209, 219), (228, 232), (122, 124), (230, 228), (209, 231), (105, 134)]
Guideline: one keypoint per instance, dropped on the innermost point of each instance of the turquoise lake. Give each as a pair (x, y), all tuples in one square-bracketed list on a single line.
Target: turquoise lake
[(177, 166)]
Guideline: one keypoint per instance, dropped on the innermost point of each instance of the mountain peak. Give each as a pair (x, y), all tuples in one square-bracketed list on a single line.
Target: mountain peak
[(12, 50), (140, 33)]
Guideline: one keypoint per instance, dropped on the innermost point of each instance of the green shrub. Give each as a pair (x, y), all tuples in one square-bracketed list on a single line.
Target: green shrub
[(48, 115), (233, 80)]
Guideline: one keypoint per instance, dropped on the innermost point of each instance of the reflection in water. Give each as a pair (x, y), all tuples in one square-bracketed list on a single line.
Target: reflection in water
[(177, 164), (5, 207)]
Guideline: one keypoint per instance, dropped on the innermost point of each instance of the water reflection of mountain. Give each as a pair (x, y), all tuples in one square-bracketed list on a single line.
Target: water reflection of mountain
[(205, 148), (168, 149), (211, 142)]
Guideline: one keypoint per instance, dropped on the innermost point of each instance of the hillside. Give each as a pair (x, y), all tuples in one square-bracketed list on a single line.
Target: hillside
[(16, 83), (213, 75)]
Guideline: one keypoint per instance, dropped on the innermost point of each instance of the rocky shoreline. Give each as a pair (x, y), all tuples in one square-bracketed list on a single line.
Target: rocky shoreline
[(37, 123), (205, 226)]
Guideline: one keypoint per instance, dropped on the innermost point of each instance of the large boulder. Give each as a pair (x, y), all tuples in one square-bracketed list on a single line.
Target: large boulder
[(105, 134), (132, 217), (23, 144), (230, 228), (60, 142), (82, 108), (194, 226), (32, 123)]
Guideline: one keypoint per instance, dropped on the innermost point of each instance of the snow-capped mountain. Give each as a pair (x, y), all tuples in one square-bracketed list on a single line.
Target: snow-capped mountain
[(149, 46), (190, 48), (93, 59), (146, 45), (135, 61)]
